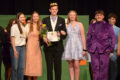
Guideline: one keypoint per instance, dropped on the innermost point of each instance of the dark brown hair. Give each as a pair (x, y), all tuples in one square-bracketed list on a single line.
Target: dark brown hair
[(18, 23), (76, 19), (112, 15), (99, 12), (38, 23), (10, 25)]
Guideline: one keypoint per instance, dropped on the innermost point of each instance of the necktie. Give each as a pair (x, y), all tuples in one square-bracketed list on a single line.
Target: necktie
[(53, 19)]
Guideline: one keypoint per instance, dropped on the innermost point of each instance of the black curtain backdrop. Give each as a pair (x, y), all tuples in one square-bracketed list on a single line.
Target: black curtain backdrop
[(83, 7)]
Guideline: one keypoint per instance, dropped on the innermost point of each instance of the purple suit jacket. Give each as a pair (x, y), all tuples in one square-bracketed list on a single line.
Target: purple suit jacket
[(100, 37)]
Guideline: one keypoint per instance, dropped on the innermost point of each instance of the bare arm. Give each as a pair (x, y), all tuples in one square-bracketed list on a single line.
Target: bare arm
[(13, 45), (118, 50), (66, 25), (13, 42), (83, 35)]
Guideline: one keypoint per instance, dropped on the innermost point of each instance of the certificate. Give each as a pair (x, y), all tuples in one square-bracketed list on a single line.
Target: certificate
[(52, 36)]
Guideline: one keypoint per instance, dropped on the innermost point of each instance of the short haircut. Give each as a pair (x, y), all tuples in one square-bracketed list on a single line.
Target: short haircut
[(99, 12), (53, 4), (112, 15)]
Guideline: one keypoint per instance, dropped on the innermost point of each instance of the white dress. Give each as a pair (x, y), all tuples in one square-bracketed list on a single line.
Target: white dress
[(73, 48)]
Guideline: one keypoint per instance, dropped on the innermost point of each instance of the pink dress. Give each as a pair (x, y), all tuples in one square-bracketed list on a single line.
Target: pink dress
[(33, 64)]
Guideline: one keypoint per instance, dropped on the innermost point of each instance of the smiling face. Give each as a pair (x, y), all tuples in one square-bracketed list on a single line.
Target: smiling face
[(72, 16), (112, 20), (21, 18), (54, 10), (35, 17), (99, 17)]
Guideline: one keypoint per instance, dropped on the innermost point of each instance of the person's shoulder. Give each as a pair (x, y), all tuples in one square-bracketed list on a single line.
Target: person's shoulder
[(27, 25), (46, 18), (14, 26), (117, 27), (79, 23), (92, 25), (67, 25), (60, 18), (107, 24)]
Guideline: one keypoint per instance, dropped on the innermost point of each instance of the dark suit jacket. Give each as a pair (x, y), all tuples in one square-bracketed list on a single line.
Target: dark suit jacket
[(100, 36), (59, 26), (2, 37), (2, 42)]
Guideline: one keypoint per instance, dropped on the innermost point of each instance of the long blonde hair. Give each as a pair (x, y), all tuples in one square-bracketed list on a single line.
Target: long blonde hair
[(76, 19), (38, 23)]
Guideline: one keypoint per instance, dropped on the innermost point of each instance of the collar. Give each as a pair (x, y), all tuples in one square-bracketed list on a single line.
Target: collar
[(114, 25), (53, 16)]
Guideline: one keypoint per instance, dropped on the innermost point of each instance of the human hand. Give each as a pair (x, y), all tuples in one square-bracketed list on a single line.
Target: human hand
[(63, 32), (107, 50), (16, 54), (84, 53), (46, 40), (58, 34)]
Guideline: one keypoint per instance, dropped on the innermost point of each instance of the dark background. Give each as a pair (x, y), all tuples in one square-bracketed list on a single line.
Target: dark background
[(83, 7)]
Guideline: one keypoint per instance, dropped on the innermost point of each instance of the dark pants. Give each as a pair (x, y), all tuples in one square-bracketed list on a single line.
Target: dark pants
[(118, 68), (25, 78), (100, 65), (1, 52), (90, 70), (113, 68), (53, 60)]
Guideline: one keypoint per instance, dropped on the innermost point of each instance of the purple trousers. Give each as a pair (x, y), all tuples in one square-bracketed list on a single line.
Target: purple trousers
[(100, 65)]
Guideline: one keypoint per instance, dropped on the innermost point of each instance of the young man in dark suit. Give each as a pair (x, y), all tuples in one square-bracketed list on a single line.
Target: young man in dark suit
[(2, 43), (53, 53)]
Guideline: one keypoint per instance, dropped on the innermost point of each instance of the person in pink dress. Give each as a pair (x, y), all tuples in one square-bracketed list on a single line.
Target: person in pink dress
[(33, 64)]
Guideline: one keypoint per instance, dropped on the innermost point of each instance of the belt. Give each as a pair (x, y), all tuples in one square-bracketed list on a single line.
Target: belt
[(21, 46)]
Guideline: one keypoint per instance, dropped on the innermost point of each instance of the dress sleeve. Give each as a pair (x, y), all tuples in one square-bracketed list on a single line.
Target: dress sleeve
[(12, 30)]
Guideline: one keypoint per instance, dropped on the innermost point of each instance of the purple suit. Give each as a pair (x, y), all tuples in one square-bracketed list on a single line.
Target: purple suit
[(100, 38)]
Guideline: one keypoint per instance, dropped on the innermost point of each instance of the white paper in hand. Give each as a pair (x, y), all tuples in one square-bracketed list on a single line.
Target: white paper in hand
[(52, 36)]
